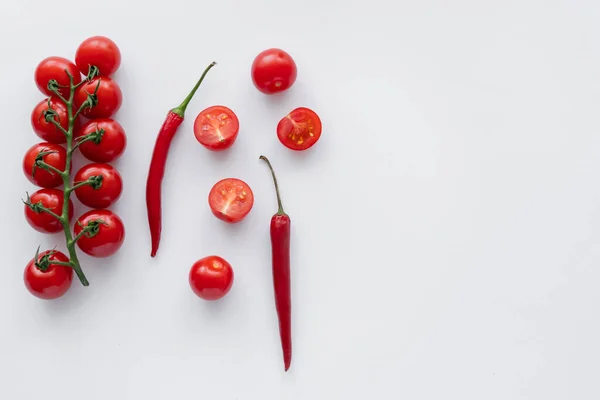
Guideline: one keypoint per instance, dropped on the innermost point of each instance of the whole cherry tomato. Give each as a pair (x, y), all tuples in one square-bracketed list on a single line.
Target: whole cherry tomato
[(100, 52), (216, 128), (106, 235), (54, 68), (56, 156), (112, 143), (47, 130), (104, 191), (300, 129), (211, 278), (273, 71), (109, 97), (51, 283), (231, 199), (51, 199)]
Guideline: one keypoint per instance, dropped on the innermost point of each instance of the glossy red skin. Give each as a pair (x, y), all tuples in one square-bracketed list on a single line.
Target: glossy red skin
[(280, 245), (294, 129), (105, 195), (109, 238), (47, 130), (273, 71), (155, 176), (109, 97), (54, 68), (218, 204), (211, 278), (52, 283), (43, 178), (227, 128), (99, 51), (53, 200), (111, 146)]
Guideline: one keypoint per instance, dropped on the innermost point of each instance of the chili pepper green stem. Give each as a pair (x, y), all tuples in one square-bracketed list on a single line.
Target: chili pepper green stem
[(280, 210), (181, 109)]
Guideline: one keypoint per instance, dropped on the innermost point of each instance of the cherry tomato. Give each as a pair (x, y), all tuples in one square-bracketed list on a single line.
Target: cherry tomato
[(211, 278), (216, 128), (47, 130), (109, 97), (54, 68), (231, 200), (106, 238), (99, 51), (51, 283), (57, 158), (273, 71), (105, 192), (53, 200), (300, 129), (112, 144)]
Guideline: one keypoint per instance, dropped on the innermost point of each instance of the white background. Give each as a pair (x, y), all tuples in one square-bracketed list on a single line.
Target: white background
[(446, 227)]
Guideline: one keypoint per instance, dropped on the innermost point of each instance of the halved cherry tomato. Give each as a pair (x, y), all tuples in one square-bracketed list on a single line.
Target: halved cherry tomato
[(231, 199), (211, 278), (107, 237), (105, 192), (273, 71), (100, 52), (51, 283), (53, 200), (47, 130), (112, 144), (56, 157), (300, 129), (216, 128), (109, 97), (54, 68)]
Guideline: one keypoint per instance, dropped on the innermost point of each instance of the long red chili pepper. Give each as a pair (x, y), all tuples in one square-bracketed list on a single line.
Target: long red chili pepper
[(159, 159), (280, 247)]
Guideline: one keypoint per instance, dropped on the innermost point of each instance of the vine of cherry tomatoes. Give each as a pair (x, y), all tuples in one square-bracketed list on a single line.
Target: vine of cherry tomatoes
[(77, 113)]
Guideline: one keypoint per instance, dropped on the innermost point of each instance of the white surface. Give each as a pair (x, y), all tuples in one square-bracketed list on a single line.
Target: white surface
[(446, 228)]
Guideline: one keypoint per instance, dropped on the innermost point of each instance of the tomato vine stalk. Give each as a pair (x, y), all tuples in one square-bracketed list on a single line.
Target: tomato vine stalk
[(91, 229)]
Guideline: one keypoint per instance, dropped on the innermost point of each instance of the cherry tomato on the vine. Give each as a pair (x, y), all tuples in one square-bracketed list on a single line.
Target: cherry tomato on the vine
[(105, 191), (51, 199), (300, 129), (54, 68), (47, 130), (273, 71), (98, 51), (231, 199), (211, 278), (51, 283), (108, 93), (216, 128), (106, 237), (112, 143), (56, 156)]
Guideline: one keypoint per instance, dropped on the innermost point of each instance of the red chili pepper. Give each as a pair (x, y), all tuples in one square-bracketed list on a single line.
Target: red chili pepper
[(280, 247), (159, 159)]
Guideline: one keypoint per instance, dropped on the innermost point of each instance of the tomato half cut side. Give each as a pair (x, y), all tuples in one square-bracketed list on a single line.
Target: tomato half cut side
[(231, 199), (216, 128), (300, 129)]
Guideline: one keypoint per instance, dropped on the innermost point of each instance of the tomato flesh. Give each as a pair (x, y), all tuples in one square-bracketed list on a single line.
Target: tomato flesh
[(52, 283), (231, 199), (216, 128), (300, 129), (211, 278)]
